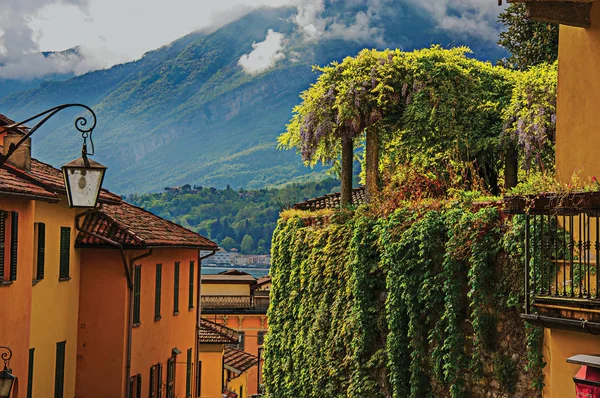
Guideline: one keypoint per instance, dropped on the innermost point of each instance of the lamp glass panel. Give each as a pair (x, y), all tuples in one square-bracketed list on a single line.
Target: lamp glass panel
[(5, 387), (84, 186)]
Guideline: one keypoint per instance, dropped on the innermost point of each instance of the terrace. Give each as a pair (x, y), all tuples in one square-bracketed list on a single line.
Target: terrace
[(562, 248), (213, 304)]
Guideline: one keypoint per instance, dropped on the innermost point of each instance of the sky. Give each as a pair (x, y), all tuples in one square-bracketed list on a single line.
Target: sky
[(108, 32)]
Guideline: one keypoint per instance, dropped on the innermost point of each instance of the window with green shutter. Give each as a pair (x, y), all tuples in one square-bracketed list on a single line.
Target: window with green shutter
[(14, 244), (171, 378), (135, 386), (65, 252), (59, 375), (41, 251), (188, 374), (159, 372), (176, 289), (3, 216), (153, 390), (137, 284), (30, 374), (157, 293), (191, 292)]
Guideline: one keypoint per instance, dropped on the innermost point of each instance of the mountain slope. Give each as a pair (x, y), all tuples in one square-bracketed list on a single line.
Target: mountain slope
[(188, 113)]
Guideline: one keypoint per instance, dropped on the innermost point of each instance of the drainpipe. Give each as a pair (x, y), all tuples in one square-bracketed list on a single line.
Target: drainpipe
[(198, 318), (129, 277)]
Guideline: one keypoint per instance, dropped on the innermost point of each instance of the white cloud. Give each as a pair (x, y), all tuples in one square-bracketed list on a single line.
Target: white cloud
[(264, 55)]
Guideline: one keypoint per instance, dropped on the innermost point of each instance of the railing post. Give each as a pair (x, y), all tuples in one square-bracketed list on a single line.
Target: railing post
[(527, 257)]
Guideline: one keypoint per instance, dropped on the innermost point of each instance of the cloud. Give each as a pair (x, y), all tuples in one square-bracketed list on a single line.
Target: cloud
[(467, 18), (265, 54)]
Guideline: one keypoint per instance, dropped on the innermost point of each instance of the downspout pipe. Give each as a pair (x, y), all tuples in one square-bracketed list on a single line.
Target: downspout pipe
[(196, 393)]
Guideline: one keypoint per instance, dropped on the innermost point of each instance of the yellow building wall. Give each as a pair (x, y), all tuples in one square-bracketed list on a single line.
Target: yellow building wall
[(239, 385), (55, 304), (211, 357), (15, 298), (578, 118), (225, 289)]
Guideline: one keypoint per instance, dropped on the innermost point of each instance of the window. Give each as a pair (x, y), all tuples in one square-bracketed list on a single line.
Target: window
[(137, 281), (240, 345), (30, 374), (157, 293), (40, 260), (188, 374), (3, 216), (65, 252), (156, 381), (261, 337), (176, 289), (171, 377), (59, 375), (199, 378), (14, 242), (191, 293), (135, 386)]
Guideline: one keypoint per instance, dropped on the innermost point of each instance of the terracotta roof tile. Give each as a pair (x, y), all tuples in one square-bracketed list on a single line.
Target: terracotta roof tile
[(331, 201), (132, 226), (11, 184), (229, 394), (214, 333), (239, 360)]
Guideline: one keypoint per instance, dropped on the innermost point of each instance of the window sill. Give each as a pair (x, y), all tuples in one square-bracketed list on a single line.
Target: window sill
[(191, 309), (136, 325), (35, 282), (68, 278), (157, 318), (175, 313), (6, 283)]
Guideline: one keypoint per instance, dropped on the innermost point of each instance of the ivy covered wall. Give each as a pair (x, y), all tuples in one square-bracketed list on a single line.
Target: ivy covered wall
[(422, 302)]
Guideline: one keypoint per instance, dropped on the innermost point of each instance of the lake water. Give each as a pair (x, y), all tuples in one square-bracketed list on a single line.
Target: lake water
[(255, 272)]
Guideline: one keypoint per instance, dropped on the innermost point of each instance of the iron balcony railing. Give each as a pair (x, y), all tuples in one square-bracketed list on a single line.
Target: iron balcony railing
[(234, 303), (562, 248)]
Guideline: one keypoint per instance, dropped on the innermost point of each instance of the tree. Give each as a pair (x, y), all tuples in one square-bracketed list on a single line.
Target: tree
[(228, 243), (529, 42), (261, 247), (247, 244)]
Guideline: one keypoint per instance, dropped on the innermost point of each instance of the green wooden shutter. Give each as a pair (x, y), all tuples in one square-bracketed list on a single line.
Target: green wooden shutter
[(159, 380), (171, 378), (131, 386), (14, 245), (152, 381), (65, 252), (157, 294), (59, 375), (138, 392), (41, 250), (191, 293), (137, 282), (2, 244), (188, 374), (176, 289), (30, 373)]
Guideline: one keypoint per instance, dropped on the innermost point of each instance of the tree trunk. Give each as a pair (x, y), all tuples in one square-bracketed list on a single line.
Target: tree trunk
[(372, 163), (346, 172), (511, 167)]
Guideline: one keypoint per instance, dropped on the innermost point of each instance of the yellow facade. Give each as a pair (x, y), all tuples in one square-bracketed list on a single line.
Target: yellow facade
[(225, 290), (239, 385), (54, 308), (211, 366)]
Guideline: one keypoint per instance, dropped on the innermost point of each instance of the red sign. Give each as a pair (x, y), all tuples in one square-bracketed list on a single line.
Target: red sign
[(587, 382)]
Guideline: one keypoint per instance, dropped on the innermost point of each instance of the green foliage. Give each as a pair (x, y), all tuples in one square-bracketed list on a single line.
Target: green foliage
[(247, 246), (228, 216), (401, 305), (529, 42)]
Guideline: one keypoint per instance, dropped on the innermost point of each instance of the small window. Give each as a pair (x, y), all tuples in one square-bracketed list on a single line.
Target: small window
[(176, 289), (158, 292), (14, 245), (137, 282), (3, 245), (188, 374), (135, 386), (191, 292), (30, 373), (59, 375), (199, 378), (156, 381), (261, 337), (240, 345), (65, 253), (171, 378), (40, 252)]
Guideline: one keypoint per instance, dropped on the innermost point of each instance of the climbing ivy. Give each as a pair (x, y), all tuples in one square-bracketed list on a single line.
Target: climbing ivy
[(403, 305)]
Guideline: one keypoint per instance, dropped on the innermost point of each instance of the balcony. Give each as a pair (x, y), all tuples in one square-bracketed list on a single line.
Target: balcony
[(234, 304), (562, 248)]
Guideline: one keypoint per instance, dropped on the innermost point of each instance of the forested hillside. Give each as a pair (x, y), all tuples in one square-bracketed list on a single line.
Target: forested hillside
[(230, 216)]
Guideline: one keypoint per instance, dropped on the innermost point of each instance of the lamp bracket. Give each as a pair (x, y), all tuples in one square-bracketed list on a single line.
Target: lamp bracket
[(6, 356)]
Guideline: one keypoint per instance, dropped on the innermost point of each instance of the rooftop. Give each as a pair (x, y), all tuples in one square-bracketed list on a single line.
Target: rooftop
[(238, 361), (214, 333), (234, 279)]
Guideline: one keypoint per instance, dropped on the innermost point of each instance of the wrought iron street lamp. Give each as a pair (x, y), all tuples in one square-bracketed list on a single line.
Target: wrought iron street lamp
[(83, 177), (6, 377)]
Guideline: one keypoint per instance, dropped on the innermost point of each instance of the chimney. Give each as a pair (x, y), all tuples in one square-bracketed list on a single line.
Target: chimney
[(21, 159)]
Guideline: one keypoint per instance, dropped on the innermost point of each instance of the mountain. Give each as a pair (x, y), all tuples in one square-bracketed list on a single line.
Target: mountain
[(189, 113)]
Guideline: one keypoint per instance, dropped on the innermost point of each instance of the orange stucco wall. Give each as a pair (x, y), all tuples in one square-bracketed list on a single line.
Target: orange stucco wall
[(578, 119), (15, 299), (55, 304), (103, 321)]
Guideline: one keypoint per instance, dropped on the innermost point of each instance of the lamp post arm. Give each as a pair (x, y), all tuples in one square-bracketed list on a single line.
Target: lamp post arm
[(81, 124)]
